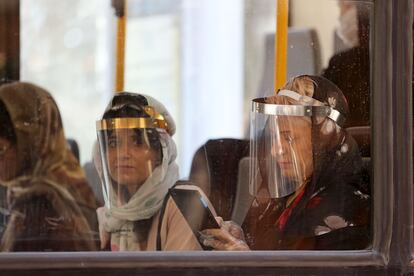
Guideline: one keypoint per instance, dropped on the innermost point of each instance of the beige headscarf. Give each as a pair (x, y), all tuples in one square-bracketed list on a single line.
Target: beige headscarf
[(46, 165)]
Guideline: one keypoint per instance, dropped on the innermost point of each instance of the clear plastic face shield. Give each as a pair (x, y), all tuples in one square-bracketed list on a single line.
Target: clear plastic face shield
[(281, 146), (130, 151)]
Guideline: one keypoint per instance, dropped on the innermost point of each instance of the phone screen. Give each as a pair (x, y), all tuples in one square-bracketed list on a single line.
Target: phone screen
[(195, 210)]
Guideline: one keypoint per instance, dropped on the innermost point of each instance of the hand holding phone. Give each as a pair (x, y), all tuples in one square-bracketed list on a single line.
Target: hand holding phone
[(195, 208)]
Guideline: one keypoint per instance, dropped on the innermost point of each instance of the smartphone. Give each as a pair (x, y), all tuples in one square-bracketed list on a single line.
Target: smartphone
[(194, 208)]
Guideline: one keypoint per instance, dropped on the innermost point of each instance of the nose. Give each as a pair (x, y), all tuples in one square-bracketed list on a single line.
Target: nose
[(123, 150), (280, 148)]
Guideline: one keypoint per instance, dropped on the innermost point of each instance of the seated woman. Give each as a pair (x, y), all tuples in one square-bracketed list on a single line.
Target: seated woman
[(138, 167), (46, 202), (305, 175)]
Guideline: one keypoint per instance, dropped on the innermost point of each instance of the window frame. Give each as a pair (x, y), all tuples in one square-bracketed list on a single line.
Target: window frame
[(392, 247)]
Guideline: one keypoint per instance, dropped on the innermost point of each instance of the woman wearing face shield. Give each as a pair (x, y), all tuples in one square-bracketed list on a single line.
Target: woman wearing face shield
[(138, 168), (305, 175)]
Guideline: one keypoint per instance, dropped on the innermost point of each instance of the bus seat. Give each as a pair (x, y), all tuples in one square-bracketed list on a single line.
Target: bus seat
[(362, 135), (304, 57), (303, 52), (243, 199), (73, 146), (92, 177), (366, 174), (92, 173), (215, 168)]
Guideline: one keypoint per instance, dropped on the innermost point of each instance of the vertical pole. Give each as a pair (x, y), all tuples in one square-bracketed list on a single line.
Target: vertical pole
[(120, 9), (281, 43)]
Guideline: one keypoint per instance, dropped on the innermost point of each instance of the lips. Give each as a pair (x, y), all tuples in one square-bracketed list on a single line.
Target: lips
[(285, 165), (124, 167)]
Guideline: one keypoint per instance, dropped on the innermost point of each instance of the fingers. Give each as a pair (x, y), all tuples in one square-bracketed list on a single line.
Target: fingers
[(236, 245), (219, 234), (220, 221), (216, 244), (234, 229), (220, 239)]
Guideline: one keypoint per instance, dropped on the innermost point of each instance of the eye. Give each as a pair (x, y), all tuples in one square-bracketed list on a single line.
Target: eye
[(112, 143), (138, 140), (288, 137)]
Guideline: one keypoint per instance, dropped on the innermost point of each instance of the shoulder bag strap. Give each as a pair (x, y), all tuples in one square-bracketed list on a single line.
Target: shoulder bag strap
[(162, 211)]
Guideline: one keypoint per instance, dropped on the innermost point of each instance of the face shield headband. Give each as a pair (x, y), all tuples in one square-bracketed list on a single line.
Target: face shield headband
[(281, 145), (130, 149), (155, 120), (309, 107)]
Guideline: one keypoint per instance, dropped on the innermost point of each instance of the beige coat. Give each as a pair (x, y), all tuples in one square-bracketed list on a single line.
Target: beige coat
[(176, 234)]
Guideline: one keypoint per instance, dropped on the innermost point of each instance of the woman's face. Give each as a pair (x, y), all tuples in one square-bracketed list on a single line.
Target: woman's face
[(292, 147), (130, 158), (8, 160)]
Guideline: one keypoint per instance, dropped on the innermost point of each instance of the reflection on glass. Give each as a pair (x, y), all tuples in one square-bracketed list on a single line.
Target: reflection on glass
[(309, 186)]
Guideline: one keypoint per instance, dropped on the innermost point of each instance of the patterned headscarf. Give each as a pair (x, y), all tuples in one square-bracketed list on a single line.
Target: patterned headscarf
[(337, 195), (331, 143)]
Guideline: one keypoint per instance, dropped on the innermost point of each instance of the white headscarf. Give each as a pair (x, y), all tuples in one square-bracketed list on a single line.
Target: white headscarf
[(117, 223)]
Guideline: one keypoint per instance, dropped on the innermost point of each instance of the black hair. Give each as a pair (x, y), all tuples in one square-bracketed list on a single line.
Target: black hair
[(128, 105), (6, 126)]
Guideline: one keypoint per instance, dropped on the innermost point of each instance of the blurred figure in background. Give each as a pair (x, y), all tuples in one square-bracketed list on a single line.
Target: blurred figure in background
[(350, 69), (45, 197)]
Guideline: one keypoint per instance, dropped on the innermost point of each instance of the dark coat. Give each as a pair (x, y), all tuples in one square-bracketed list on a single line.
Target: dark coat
[(331, 213)]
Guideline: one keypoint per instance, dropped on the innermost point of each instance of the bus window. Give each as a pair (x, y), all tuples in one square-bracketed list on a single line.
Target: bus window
[(169, 54), (206, 126)]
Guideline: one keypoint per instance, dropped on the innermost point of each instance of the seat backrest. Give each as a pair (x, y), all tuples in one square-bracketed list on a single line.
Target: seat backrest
[(74, 148), (215, 170), (362, 135), (366, 172), (303, 52), (243, 199), (94, 181), (92, 170), (303, 57)]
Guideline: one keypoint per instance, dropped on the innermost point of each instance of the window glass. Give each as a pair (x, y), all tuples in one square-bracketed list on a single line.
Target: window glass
[(206, 127)]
